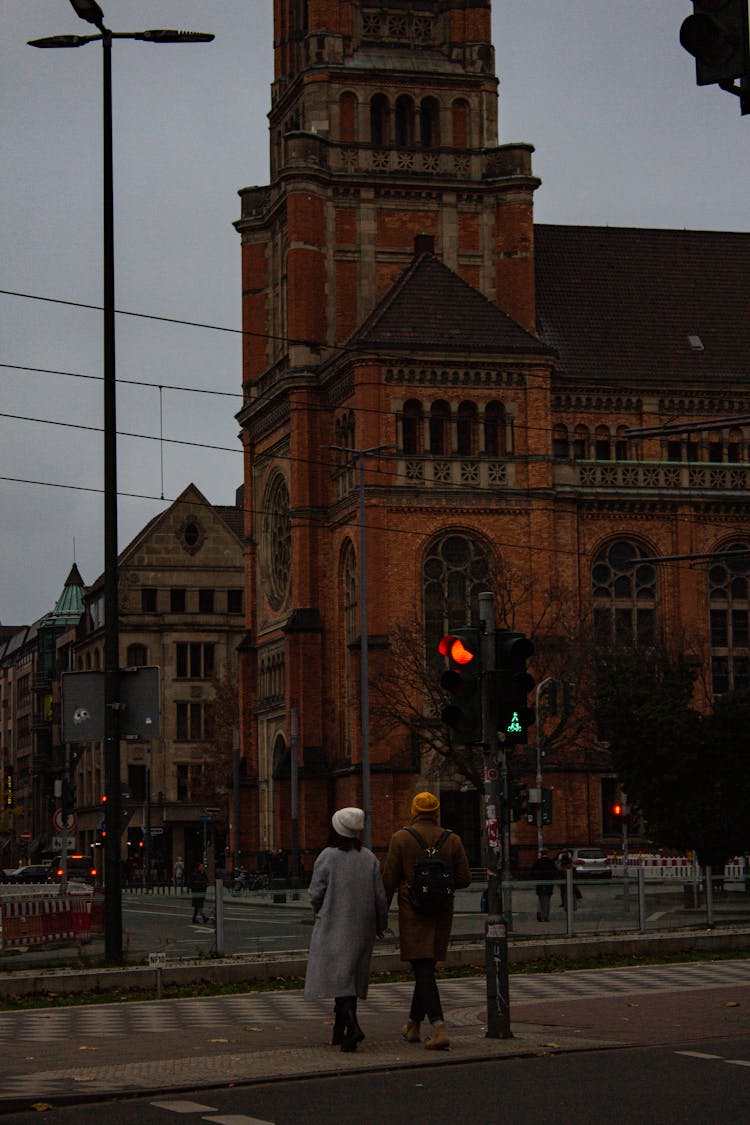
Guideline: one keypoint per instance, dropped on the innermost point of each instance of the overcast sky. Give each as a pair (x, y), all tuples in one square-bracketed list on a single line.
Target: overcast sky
[(601, 88)]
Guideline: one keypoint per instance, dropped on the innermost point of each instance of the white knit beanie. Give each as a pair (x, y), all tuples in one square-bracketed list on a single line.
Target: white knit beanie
[(348, 822)]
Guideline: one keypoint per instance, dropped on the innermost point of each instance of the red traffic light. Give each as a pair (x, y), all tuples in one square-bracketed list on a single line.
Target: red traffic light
[(453, 647), (617, 810)]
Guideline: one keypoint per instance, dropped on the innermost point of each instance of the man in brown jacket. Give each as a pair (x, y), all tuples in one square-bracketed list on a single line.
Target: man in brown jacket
[(424, 937)]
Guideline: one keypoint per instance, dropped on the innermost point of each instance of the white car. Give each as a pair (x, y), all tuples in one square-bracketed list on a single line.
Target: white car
[(591, 862)]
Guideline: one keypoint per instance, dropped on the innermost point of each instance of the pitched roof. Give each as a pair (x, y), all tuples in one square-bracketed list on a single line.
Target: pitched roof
[(432, 308), (621, 304)]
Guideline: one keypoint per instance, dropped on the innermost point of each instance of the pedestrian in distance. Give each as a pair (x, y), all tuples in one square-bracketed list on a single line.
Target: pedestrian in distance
[(179, 872), (347, 895), (424, 927), (544, 872), (564, 863), (198, 888)]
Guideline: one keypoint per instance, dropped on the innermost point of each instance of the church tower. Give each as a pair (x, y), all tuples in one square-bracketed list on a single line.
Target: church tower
[(388, 300)]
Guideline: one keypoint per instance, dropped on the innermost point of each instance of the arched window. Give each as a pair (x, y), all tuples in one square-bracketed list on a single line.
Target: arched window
[(467, 429), (460, 114), (440, 417), (350, 591), (454, 572), (136, 656), (729, 616), (624, 595), (621, 444), (277, 541), (581, 444), (412, 427), (429, 123), (404, 121), (280, 766), (560, 444), (494, 429), (348, 118), (602, 444), (379, 119), (734, 446)]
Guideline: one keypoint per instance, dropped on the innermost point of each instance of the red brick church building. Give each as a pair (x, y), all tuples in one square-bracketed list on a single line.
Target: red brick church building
[(398, 298)]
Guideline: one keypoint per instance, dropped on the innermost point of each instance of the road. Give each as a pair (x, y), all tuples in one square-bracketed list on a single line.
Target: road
[(693, 1083), (156, 922)]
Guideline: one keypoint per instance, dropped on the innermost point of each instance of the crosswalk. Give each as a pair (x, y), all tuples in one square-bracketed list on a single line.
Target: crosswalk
[(463, 997)]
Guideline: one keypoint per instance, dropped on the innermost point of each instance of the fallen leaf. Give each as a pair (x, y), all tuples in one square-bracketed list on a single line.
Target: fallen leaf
[(41, 1106), (249, 1028), (550, 1044), (732, 1004), (85, 1048), (631, 1005), (218, 1040)]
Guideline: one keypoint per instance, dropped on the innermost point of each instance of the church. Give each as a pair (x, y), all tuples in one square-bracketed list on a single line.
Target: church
[(444, 397)]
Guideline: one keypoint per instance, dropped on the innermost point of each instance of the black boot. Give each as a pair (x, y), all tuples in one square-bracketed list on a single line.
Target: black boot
[(338, 1025), (353, 1033)]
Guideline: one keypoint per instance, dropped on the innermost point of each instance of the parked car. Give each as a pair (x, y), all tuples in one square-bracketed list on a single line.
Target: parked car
[(591, 863), (31, 873), (80, 869)]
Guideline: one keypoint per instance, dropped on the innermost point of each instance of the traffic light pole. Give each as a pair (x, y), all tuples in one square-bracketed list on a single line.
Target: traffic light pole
[(497, 840)]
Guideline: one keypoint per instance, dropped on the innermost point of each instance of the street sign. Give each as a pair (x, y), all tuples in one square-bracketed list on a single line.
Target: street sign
[(63, 822), (25, 836), (83, 705), (157, 960), (156, 831), (59, 841)]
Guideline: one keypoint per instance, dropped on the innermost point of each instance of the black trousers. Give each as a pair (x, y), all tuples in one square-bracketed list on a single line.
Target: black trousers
[(426, 998)]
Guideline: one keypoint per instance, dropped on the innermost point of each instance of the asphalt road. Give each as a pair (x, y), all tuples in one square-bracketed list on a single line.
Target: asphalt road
[(691, 1083), (162, 922)]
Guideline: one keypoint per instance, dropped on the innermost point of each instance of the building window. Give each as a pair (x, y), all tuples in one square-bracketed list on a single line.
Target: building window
[(195, 661), (621, 445), (206, 601), (235, 601), (347, 117), (194, 721), (460, 124), (560, 446), (624, 596), (277, 542), (581, 444), (455, 570), (411, 427), (136, 656), (440, 417), (177, 600), (429, 123), (602, 444), (494, 429), (379, 114), (183, 781), (148, 599), (351, 609), (404, 121), (466, 429), (137, 781), (729, 619)]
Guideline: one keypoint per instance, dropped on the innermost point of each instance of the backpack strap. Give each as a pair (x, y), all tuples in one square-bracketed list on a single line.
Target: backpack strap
[(420, 839)]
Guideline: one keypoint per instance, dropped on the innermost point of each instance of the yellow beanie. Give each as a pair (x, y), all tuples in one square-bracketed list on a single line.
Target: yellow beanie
[(424, 803)]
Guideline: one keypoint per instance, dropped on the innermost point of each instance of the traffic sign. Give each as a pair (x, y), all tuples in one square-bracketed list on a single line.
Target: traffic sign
[(64, 823), (157, 960), (58, 841)]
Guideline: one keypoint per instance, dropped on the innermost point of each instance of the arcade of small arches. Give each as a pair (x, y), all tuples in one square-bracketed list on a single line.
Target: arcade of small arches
[(403, 122), (464, 429), (581, 443)]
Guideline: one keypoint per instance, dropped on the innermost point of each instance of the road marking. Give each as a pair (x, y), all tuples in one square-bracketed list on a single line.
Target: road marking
[(739, 1062), (185, 1107), (697, 1055), (238, 1119)]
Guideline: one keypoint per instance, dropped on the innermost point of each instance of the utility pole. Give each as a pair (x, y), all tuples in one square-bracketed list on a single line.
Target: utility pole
[(497, 838), (359, 455)]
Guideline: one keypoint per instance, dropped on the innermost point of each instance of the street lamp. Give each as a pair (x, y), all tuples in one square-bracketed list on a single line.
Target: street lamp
[(91, 12)]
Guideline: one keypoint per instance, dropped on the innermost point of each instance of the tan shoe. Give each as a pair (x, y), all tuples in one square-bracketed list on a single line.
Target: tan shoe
[(439, 1040), (410, 1032)]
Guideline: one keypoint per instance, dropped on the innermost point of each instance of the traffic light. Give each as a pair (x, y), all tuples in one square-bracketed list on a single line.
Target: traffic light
[(518, 798), (718, 38), (462, 681), (68, 796), (511, 686), (617, 810)]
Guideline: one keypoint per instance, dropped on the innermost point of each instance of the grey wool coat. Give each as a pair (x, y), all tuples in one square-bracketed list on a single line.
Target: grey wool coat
[(422, 935), (347, 895)]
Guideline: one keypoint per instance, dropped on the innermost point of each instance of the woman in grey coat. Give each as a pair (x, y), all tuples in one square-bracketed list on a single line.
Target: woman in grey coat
[(348, 897)]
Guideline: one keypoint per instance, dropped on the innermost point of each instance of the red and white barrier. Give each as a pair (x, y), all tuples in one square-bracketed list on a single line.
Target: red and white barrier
[(44, 920)]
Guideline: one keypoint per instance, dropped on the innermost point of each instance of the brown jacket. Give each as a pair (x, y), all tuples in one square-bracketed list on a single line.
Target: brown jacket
[(422, 935)]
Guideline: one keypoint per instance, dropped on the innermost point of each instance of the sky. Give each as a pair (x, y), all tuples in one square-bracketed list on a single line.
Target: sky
[(603, 90)]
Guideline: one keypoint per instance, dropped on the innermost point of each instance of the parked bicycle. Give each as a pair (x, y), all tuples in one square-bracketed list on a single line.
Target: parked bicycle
[(249, 881)]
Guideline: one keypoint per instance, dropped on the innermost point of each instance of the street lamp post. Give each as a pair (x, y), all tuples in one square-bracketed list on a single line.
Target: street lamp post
[(91, 12), (360, 455)]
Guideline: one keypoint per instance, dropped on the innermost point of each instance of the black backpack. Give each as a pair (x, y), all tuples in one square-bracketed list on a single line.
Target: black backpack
[(431, 890)]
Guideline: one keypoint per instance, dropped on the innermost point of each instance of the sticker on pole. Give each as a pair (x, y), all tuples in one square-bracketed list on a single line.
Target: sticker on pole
[(157, 960)]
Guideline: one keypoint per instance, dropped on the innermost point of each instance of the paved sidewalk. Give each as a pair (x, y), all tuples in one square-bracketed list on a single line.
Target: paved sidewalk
[(164, 1046)]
